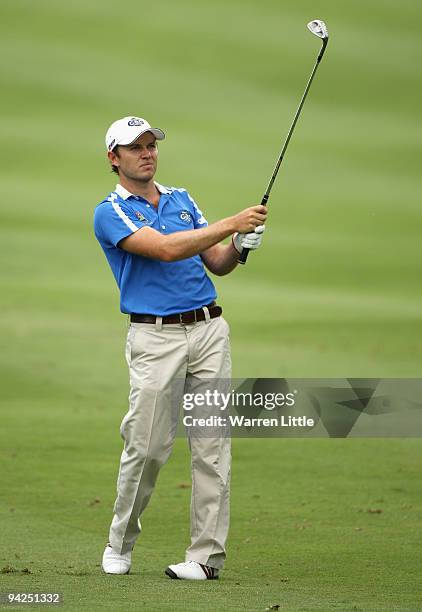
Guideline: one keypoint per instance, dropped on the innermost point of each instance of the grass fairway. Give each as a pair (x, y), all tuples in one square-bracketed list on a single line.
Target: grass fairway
[(316, 525), (335, 292)]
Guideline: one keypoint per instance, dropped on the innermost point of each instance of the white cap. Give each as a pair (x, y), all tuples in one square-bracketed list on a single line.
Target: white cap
[(127, 130)]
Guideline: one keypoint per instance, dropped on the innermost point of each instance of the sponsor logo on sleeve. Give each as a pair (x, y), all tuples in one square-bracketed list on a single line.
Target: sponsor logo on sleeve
[(201, 219)]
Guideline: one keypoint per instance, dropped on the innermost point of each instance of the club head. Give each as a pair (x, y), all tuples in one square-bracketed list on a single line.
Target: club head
[(318, 28)]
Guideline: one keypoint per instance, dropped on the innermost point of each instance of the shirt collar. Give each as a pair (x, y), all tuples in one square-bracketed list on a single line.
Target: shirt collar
[(125, 194), (161, 188)]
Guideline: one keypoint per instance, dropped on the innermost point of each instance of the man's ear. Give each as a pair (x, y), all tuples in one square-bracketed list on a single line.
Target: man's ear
[(113, 157)]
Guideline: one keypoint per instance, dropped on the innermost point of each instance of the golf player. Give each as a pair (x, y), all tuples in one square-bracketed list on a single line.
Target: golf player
[(158, 244)]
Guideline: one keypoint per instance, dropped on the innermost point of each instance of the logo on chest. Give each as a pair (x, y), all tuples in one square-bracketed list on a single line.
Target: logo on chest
[(141, 218), (186, 216)]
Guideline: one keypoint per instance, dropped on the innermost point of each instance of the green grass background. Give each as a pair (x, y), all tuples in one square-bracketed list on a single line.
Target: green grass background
[(335, 291)]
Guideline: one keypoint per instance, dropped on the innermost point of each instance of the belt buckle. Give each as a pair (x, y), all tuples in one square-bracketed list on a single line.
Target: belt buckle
[(188, 322)]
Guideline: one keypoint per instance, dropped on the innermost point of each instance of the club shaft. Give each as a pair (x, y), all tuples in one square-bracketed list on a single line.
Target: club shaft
[(289, 135), (245, 252)]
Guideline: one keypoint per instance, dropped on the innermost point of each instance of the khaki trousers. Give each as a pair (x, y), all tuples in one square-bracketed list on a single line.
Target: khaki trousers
[(157, 355)]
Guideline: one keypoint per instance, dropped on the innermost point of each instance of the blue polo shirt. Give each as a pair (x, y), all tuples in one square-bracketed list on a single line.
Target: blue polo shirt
[(150, 286)]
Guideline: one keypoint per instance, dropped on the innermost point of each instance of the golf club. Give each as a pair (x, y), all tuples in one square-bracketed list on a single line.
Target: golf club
[(318, 28)]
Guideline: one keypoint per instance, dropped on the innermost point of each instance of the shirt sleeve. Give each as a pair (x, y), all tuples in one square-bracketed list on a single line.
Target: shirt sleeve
[(198, 218), (113, 221)]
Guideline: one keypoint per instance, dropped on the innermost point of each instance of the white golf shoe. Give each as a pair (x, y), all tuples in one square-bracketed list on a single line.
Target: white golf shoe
[(113, 563), (191, 570)]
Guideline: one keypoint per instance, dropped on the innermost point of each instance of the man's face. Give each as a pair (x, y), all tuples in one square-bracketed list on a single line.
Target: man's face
[(137, 161)]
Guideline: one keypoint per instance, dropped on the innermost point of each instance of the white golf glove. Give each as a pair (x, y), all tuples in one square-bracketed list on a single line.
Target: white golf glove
[(248, 241)]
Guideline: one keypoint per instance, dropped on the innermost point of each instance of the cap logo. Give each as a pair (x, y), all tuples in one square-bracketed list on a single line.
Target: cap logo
[(111, 145), (135, 121)]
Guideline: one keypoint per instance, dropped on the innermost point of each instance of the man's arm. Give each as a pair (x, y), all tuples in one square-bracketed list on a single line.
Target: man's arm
[(222, 259), (181, 245)]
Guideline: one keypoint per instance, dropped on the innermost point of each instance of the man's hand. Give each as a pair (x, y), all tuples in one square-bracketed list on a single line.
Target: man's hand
[(247, 220), (249, 241)]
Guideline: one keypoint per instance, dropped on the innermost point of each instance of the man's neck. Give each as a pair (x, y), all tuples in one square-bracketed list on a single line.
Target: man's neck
[(148, 190)]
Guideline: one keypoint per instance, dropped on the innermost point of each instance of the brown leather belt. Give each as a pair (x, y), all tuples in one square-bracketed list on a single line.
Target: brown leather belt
[(187, 318)]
